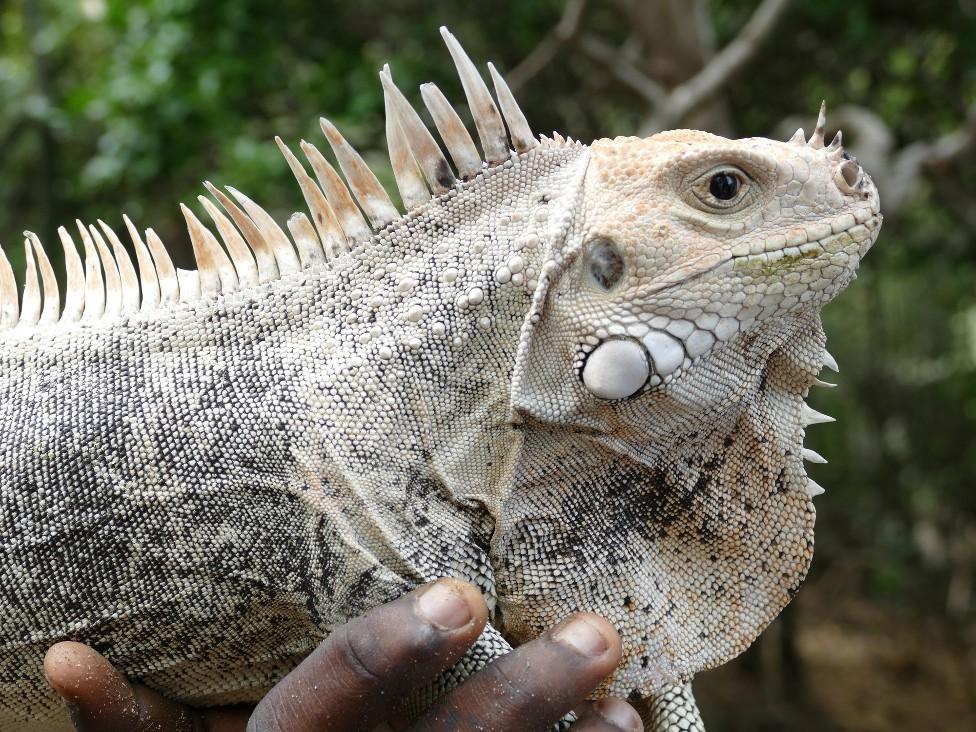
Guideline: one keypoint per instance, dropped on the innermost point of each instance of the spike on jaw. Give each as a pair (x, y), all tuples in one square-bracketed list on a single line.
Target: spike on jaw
[(817, 138), (813, 488), (809, 416), (830, 362), (799, 137), (812, 456)]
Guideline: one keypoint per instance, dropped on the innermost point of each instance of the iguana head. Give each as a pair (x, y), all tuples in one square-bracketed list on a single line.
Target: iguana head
[(663, 371)]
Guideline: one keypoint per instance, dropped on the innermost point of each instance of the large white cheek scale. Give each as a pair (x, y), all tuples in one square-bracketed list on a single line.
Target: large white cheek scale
[(616, 369)]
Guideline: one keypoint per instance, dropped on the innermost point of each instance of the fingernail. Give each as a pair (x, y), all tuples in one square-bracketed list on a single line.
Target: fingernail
[(583, 637), (444, 607), (620, 714)]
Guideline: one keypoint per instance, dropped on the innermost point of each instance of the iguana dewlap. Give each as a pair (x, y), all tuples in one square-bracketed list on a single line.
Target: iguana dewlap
[(571, 374)]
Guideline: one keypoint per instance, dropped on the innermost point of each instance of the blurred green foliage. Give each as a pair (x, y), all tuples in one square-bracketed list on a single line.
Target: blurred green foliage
[(111, 106)]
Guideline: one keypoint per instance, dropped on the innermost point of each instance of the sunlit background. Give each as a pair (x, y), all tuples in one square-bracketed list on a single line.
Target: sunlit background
[(126, 106)]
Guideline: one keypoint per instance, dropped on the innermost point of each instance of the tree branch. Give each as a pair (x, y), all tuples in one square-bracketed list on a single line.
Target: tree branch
[(540, 56), (727, 62), (669, 108), (622, 70)]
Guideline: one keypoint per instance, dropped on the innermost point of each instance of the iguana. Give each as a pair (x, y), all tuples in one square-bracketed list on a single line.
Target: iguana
[(572, 374)]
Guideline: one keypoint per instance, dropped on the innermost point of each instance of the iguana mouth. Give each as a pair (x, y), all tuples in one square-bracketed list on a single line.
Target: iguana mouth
[(837, 237)]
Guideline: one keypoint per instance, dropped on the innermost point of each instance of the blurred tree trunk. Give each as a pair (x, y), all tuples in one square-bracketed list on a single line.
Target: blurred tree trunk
[(676, 41)]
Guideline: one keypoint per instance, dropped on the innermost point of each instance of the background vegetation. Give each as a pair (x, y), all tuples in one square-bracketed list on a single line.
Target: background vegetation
[(121, 105)]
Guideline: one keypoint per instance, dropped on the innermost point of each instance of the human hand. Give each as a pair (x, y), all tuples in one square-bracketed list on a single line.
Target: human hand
[(359, 676)]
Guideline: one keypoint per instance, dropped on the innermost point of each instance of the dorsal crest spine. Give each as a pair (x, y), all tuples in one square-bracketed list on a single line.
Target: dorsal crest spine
[(249, 247)]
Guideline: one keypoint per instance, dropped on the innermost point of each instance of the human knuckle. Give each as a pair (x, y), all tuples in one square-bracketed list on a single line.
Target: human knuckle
[(360, 657)]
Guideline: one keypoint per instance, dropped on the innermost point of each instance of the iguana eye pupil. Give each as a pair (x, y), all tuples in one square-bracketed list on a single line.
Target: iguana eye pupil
[(724, 186), (606, 264)]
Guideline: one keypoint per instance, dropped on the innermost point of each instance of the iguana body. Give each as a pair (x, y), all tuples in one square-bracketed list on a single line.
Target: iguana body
[(568, 374)]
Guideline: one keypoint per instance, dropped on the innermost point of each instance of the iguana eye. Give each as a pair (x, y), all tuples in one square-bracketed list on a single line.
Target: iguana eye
[(605, 264), (722, 188)]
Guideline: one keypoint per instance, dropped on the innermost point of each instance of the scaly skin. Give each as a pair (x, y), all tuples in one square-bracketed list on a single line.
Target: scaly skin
[(231, 476)]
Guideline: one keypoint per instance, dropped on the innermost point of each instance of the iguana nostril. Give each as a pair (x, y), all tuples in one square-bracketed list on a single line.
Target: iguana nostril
[(617, 369), (851, 172)]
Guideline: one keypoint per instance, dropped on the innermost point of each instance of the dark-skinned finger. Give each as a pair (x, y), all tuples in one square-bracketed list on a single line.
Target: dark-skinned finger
[(533, 686), (99, 698), (356, 678), (609, 715)]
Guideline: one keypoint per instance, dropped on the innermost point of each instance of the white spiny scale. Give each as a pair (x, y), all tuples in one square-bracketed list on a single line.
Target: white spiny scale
[(127, 272), (306, 239), (813, 488), (113, 280), (409, 179), (346, 210), (263, 255), (817, 138), (94, 283), (284, 252), (799, 137), (30, 307), (824, 384), (812, 456), (372, 197), (830, 362), (238, 250), (9, 302), (455, 135), (216, 271), (487, 119), (49, 283), (809, 416), (425, 149), (169, 284), (518, 127), (328, 226), (74, 296)]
